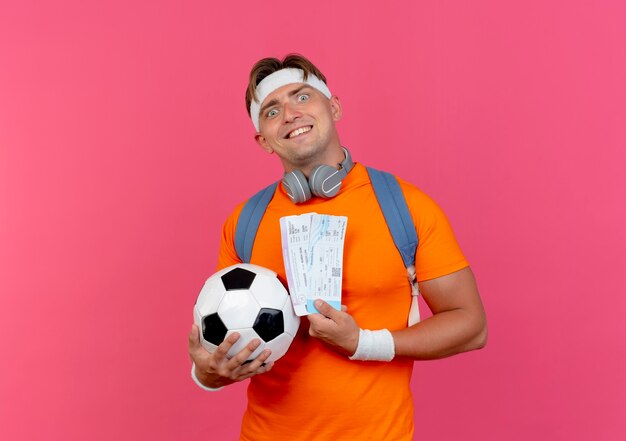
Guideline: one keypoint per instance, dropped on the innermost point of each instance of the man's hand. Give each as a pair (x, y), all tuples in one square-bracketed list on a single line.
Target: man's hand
[(335, 328), (214, 369)]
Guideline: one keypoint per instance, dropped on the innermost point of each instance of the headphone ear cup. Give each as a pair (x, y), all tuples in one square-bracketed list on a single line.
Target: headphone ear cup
[(297, 187), (325, 181)]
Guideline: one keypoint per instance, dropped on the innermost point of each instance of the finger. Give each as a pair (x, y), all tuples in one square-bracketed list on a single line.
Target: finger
[(344, 308), (258, 362), (242, 356), (268, 367), (194, 342), (259, 371), (195, 346), (265, 367), (319, 325), (221, 352), (315, 319), (194, 337)]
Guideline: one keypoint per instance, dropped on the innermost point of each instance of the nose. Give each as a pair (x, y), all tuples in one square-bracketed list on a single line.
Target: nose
[(290, 113)]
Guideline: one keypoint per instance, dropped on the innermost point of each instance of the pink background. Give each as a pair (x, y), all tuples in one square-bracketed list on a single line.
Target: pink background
[(124, 143)]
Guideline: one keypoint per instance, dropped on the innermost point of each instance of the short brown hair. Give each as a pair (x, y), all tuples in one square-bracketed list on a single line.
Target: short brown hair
[(268, 66)]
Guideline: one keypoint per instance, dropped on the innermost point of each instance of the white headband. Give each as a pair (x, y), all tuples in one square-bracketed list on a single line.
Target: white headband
[(278, 79)]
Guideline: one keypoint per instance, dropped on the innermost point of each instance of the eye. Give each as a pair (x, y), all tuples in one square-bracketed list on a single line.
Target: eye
[(272, 113), (303, 97)]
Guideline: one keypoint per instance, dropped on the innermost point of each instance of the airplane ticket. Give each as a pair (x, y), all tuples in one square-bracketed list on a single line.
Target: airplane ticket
[(313, 254)]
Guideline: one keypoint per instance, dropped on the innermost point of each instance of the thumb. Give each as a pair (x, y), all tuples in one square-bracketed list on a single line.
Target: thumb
[(325, 309), (194, 338)]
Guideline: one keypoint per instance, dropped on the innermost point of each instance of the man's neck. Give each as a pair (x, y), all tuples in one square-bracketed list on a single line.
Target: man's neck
[(333, 157)]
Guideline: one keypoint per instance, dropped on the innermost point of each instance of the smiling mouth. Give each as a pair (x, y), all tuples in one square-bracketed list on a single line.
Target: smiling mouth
[(299, 131)]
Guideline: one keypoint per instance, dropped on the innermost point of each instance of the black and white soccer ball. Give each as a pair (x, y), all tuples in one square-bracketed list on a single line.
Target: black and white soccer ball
[(250, 300)]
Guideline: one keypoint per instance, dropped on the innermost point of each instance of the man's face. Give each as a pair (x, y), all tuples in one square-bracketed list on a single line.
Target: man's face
[(297, 122)]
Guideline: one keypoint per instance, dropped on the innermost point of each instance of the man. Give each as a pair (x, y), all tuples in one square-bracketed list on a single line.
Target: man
[(346, 375)]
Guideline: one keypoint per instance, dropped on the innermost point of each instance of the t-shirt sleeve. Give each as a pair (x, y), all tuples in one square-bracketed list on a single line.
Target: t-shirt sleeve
[(438, 252)]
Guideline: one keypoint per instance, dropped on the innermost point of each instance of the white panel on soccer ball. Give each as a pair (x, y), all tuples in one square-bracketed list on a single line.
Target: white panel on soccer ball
[(238, 309), (247, 335), (279, 347), (210, 296), (291, 320), (269, 292)]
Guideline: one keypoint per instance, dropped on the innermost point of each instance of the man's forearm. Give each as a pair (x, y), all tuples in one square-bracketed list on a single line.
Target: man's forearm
[(442, 335)]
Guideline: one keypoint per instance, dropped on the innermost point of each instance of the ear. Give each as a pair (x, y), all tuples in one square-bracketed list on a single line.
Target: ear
[(335, 108), (260, 140)]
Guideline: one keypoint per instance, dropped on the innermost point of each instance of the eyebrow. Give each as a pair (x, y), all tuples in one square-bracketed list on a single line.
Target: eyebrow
[(274, 101)]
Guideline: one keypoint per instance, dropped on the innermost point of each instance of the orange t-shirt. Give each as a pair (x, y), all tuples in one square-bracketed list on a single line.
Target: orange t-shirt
[(314, 393)]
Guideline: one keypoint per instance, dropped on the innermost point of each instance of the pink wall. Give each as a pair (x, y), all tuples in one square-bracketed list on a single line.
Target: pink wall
[(124, 143)]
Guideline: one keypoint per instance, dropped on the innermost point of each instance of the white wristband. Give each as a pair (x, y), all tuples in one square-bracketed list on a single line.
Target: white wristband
[(200, 385), (375, 346)]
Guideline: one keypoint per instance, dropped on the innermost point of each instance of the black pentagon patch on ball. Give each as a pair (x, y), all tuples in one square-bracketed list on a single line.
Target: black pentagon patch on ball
[(213, 329), (238, 278), (269, 324)]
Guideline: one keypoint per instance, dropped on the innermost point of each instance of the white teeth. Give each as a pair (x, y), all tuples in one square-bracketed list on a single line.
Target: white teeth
[(299, 131)]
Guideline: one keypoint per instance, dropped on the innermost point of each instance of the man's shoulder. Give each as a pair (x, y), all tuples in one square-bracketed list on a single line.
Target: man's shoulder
[(254, 198), (252, 206), (421, 205), (410, 190)]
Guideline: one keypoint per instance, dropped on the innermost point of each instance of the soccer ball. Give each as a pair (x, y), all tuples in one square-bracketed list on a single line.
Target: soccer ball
[(250, 300)]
